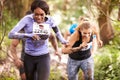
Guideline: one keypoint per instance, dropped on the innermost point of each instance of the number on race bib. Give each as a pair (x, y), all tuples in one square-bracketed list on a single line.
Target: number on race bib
[(43, 30)]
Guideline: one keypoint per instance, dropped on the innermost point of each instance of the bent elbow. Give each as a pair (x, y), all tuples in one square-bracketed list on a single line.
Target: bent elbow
[(10, 35), (65, 52)]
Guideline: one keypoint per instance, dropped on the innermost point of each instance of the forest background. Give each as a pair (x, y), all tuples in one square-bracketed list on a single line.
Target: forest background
[(105, 13)]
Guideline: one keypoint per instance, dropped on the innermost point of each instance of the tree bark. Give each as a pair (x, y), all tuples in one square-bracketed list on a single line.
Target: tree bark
[(106, 29), (119, 12), (1, 8), (18, 8), (26, 6)]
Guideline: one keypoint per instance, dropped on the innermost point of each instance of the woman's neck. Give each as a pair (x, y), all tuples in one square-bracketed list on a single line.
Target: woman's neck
[(85, 39)]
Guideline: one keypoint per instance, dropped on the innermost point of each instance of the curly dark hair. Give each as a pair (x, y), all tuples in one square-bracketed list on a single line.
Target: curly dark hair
[(41, 4)]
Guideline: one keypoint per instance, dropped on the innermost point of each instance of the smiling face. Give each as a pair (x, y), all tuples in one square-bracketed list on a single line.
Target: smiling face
[(86, 32), (39, 15), (85, 28)]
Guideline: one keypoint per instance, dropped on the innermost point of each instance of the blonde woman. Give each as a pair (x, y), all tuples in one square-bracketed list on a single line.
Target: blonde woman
[(79, 50)]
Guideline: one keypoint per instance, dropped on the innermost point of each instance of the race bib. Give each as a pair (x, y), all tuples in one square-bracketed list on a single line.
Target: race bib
[(89, 46), (42, 29)]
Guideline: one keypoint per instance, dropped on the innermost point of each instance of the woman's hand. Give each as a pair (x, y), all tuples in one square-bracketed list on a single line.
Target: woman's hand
[(18, 63), (57, 54), (36, 37), (83, 45), (100, 43)]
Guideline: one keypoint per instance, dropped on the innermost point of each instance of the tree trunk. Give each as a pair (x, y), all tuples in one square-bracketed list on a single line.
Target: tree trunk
[(66, 2), (106, 29), (1, 8), (26, 6), (119, 12), (18, 8)]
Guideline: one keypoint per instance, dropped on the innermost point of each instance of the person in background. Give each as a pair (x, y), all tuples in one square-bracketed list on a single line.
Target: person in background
[(79, 50), (73, 26), (36, 33)]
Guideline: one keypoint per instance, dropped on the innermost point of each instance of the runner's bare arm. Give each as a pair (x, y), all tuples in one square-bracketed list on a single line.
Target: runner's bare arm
[(13, 51), (96, 32), (73, 38)]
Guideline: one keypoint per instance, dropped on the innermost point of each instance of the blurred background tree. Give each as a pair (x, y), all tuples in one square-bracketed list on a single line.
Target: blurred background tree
[(68, 11)]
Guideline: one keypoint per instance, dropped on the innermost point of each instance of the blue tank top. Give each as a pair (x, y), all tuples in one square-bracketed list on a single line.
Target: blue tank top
[(72, 28)]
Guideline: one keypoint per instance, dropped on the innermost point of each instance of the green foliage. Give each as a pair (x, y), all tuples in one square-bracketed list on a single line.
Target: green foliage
[(56, 74), (107, 61), (7, 78), (3, 55), (7, 23), (115, 43), (69, 11), (9, 74), (107, 64)]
